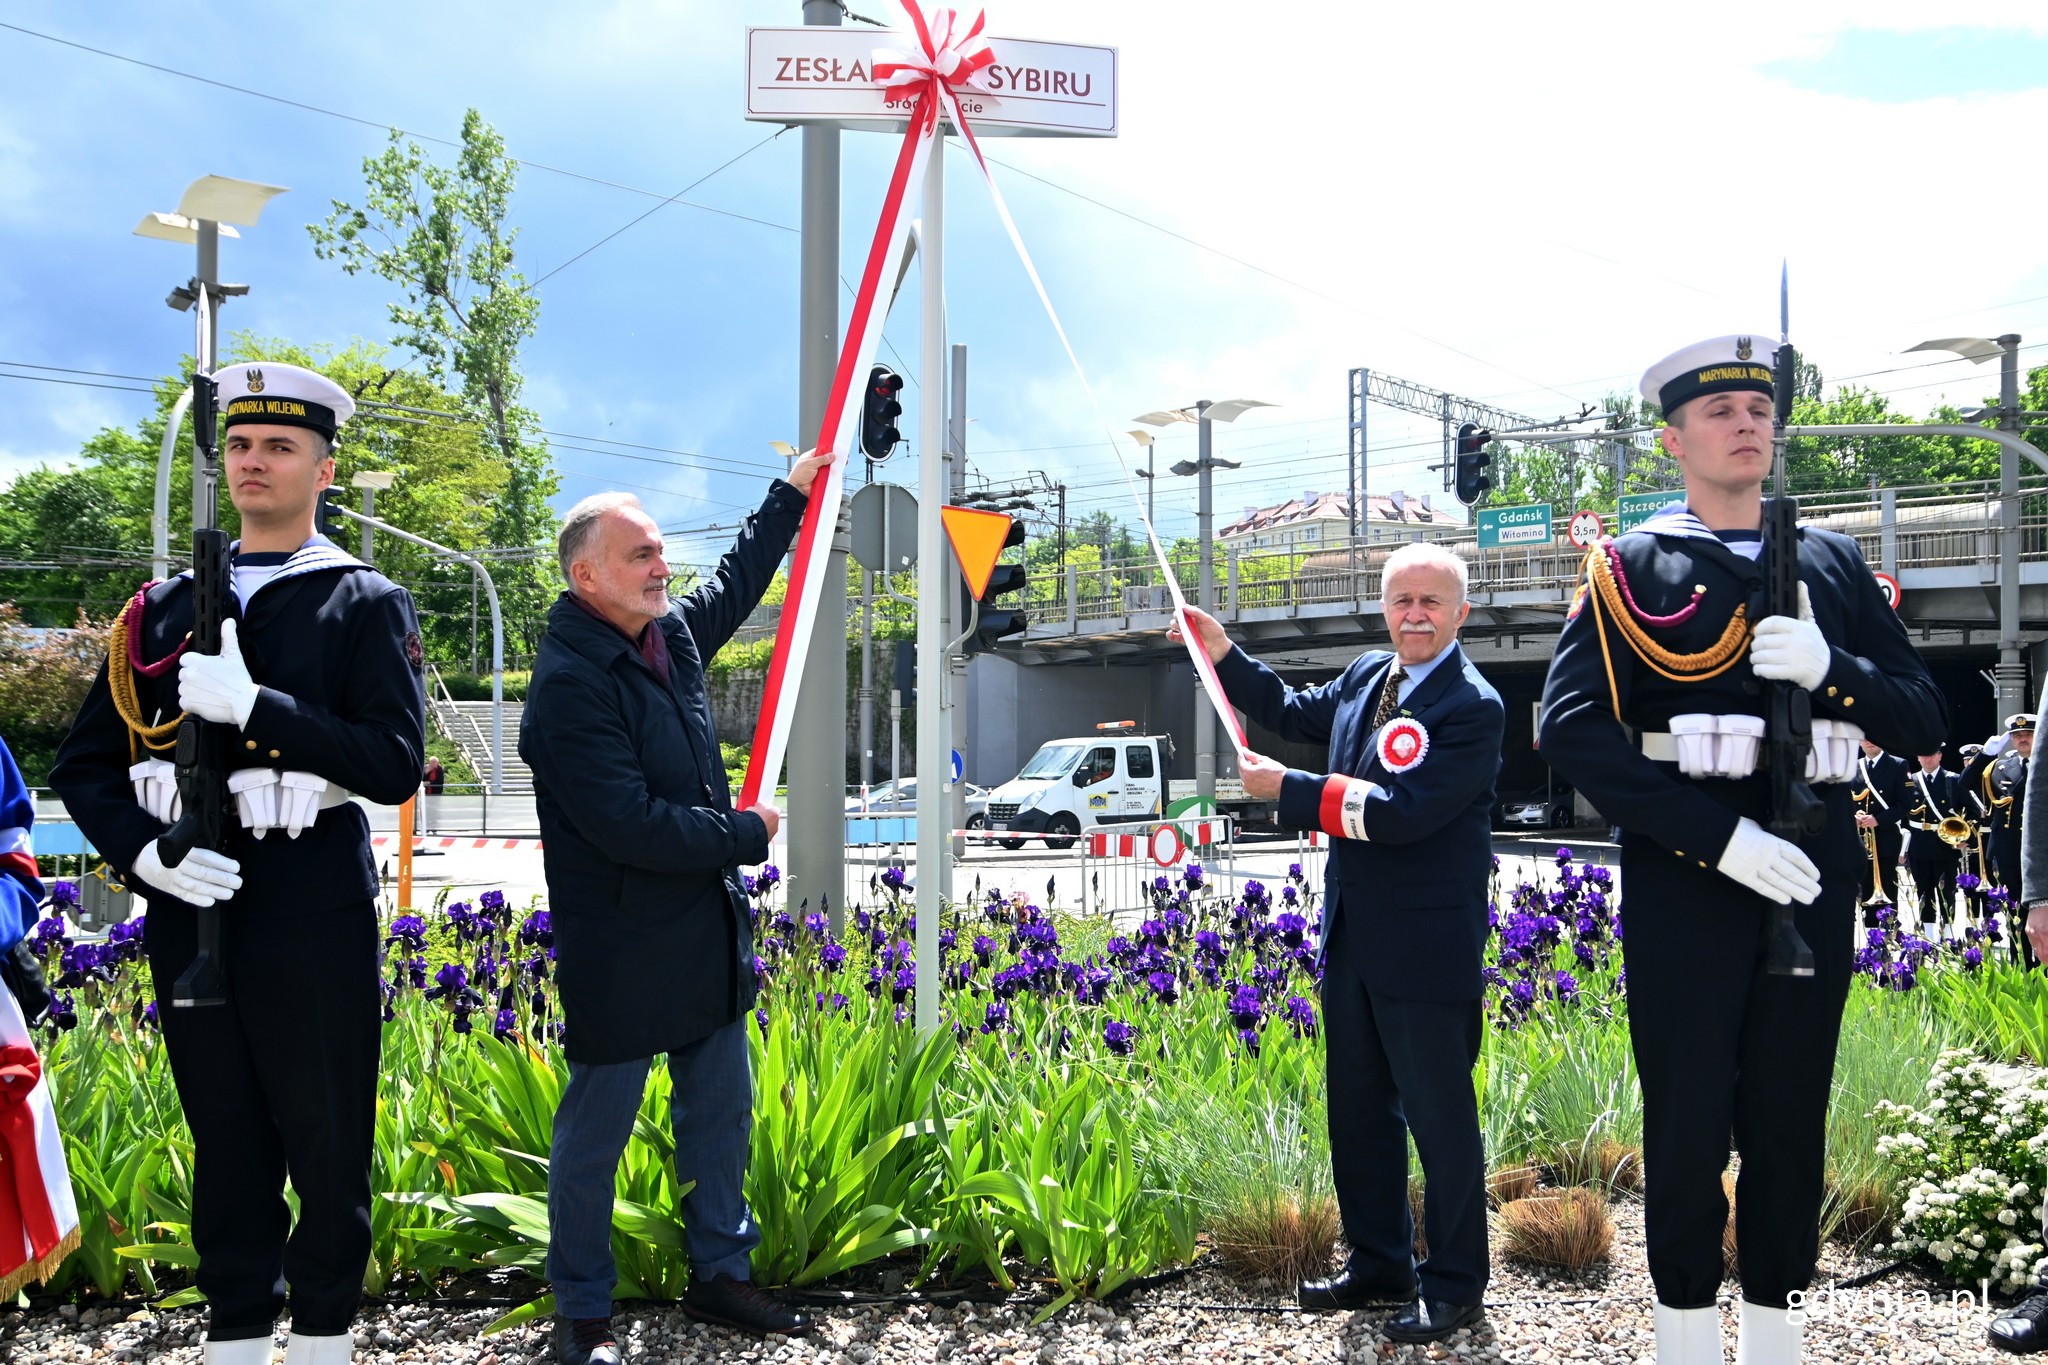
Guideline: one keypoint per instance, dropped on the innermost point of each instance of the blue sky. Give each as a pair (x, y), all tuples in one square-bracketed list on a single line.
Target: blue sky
[(1292, 196)]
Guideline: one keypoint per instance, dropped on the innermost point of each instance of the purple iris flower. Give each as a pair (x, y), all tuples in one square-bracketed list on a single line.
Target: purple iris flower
[(904, 983), (1192, 875), (815, 924), (1254, 893), (1246, 1010), (150, 1020), (51, 930), (408, 932), (831, 957), (1973, 958), (893, 878), (1288, 895), (1292, 928), (997, 1017), (984, 948), (63, 895), (1567, 987), (1250, 1038), (771, 875), (506, 1024), (1120, 1037), (63, 1012), (1165, 988), (1300, 1014)]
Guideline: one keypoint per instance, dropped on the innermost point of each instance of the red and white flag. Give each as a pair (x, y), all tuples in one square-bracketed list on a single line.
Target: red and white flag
[(38, 1216)]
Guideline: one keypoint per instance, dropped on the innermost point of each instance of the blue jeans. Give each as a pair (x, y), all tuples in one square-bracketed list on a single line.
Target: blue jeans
[(712, 1110)]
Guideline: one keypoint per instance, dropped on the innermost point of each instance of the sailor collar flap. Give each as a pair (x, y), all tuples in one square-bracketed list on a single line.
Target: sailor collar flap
[(316, 555)]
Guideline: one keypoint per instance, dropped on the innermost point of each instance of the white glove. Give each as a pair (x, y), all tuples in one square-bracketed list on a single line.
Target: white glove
[(1785, 650), (1996, 745), (298, 801), (201, 879), (255, 792), (1774, 868), (217, 687), (156, 789)]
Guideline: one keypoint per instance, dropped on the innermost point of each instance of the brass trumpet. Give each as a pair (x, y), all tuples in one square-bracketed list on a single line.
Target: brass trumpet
[(1956, 831), (1877, 896)]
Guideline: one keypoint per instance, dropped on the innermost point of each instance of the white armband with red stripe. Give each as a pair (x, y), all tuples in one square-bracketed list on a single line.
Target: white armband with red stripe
[(1342, 811)]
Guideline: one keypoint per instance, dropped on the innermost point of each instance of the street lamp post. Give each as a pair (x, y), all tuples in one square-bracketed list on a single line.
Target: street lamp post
[(370, 480), (2010, 673), (206, 212), (1204, 415)]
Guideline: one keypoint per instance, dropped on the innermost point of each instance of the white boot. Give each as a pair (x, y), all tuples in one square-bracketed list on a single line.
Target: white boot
[(1768, 1336), (254, 1351), (1688, 1336), (302, 1350)]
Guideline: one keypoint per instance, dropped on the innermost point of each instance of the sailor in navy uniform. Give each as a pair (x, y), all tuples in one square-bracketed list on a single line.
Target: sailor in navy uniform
[(1881, 806), (1415, 745), (320, 674), (1935, 794), (1666, 642), (1998, 778)]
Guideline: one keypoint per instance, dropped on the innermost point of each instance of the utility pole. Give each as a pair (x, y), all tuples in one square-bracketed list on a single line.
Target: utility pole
[(2012, 673), (817, 738), (1205, 550)]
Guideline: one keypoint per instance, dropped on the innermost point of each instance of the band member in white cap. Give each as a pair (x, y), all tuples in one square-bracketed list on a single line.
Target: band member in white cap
[(319, 676), (1669, 640)]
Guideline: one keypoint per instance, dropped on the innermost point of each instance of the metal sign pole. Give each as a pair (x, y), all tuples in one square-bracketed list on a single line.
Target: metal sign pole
[(933, 733)]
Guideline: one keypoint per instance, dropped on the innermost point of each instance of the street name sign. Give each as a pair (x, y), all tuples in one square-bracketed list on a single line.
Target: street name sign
[(823, 74), (1514, 525), (1636, 508)]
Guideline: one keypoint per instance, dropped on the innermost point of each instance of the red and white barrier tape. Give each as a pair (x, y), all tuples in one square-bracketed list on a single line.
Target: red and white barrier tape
[(449, 841)]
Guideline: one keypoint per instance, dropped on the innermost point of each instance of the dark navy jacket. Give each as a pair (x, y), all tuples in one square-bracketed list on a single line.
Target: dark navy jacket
[(1888, 780), (336, 647), (653, 946), (1875, 679), (1412, 893)]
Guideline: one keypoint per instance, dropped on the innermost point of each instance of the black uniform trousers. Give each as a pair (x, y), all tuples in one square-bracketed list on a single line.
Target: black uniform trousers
[(280, 1082), (1724, 1048), (1934, 866), (1397, 1067)]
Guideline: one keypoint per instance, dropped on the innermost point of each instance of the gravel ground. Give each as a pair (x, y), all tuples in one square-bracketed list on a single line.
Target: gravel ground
[(1533, 1317)]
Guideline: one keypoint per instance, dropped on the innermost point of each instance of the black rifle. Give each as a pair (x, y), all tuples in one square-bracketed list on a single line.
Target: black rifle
[(202, 745), (1796, 812)]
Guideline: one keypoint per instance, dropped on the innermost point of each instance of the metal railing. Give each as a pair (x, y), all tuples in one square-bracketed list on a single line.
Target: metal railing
[(1952, 525)]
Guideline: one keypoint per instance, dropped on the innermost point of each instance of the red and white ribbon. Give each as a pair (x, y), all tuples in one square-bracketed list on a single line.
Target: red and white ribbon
[(1403, 744), (952, 54)]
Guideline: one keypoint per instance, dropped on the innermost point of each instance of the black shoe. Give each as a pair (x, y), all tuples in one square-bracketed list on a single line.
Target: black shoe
[(1431, 1320), (585, 1341), (1346, 1291), (736, 1303), (2022, 1329)]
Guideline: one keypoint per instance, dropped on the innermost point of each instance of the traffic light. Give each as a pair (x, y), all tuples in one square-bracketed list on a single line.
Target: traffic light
[(1471, 476), (906, 673), (327, 521), (997, 621), (879, 411)]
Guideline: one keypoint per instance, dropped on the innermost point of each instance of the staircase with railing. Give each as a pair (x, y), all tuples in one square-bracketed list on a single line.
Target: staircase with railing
[(467, 724)]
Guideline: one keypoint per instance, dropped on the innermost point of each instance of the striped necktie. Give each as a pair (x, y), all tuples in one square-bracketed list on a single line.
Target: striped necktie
[(1390, 698)]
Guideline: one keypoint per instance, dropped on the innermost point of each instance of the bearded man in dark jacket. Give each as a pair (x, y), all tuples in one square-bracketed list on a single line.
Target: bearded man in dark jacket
[(653, 947)]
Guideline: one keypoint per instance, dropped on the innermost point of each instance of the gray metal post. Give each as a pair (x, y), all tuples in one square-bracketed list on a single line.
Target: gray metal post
[(2012, 671), (1205, 717), (934, 587), (370, 527), (866, 700), (956, 691), (1888, 530), (817, 737)]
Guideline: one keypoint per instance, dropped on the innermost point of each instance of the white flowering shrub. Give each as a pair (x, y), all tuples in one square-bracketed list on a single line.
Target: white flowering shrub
[(1969, 1168)]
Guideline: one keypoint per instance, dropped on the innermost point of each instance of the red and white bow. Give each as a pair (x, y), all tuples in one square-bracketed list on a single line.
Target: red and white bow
[(954, 55)]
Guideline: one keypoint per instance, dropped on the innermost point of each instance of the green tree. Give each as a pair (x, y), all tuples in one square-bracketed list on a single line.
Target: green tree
[(441, 233)]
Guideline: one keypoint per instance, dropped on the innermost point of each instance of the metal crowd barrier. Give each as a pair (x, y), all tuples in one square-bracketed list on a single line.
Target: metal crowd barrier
[(1121, 863)]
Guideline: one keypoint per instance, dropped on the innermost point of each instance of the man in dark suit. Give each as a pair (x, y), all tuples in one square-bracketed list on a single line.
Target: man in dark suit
[(1415, 744), (1881, 805), (1653, 709), (1935, 793), (654, 949)]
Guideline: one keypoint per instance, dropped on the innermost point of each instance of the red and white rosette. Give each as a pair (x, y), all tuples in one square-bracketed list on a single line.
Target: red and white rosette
[(1403, 744)]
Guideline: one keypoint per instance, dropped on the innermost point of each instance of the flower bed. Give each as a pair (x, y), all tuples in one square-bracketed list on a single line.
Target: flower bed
[(1093, 1101)]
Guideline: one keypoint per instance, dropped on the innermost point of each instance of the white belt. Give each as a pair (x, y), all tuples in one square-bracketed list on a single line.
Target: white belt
[(1705, 745)]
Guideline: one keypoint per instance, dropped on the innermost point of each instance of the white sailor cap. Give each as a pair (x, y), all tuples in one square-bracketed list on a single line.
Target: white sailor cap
[(282, 395), (2020, 722), (1740, 362)]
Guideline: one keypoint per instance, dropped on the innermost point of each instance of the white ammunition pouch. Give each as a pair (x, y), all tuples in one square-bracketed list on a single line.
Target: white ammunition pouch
[(156, 789), (1705, 745), (1836, 748), (266, 799)]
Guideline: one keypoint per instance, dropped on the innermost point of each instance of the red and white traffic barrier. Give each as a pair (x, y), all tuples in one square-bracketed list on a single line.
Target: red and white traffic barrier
[(445, 841)]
